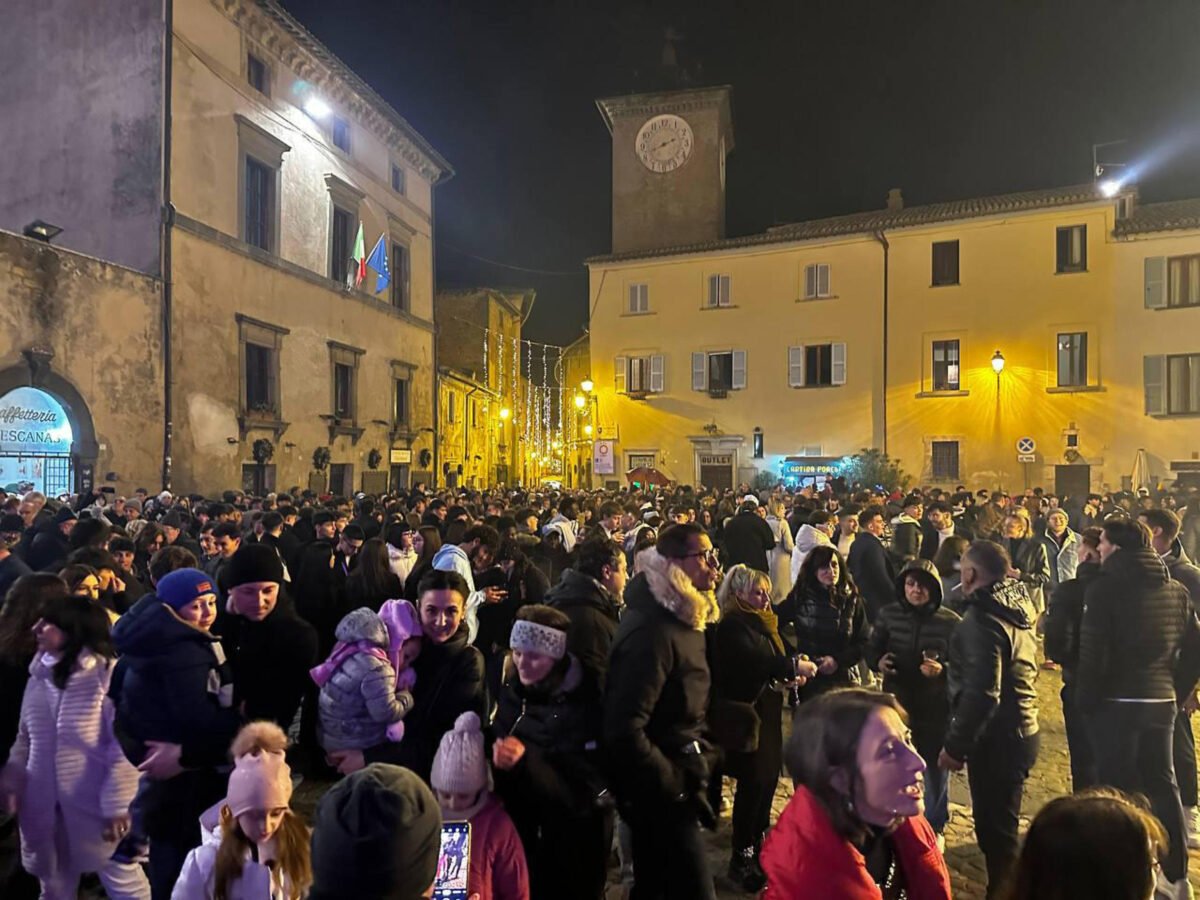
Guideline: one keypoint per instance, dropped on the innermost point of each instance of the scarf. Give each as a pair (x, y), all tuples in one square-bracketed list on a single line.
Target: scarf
[(769, 620), (342, 651)]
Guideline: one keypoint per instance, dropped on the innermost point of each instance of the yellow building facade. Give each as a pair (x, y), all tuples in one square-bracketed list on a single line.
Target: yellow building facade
[(785, 351)]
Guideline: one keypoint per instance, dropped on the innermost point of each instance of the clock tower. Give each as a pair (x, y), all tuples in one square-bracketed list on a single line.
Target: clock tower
[(668, 168)]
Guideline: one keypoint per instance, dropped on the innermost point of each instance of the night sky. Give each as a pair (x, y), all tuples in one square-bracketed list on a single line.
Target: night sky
[(834, 102)]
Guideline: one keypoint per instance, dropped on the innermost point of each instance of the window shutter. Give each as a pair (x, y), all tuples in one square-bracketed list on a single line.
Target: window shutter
[(273, 383), (823, 281), (738, 381), (619, 374), (1154, 380), (810, 281), (714, 290), (1156, 282), (699, 364), (795, 367), (656, 373), (838, 368), (724, 291)]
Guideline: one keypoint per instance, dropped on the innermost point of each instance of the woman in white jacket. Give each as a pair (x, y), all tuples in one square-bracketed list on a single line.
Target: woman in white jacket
[(780, 558), (67, 776), (253, 846)]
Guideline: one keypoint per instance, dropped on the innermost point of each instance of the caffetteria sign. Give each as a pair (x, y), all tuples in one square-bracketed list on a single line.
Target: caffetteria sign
[(32, 422)]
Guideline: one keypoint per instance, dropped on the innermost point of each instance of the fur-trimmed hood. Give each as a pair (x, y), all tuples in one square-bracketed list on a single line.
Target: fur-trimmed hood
[(675, 593)]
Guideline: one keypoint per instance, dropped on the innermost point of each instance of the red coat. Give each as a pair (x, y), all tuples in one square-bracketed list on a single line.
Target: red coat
[(805, 858), (498, 869)]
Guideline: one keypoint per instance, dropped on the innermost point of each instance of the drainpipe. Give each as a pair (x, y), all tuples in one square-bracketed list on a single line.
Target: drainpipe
[(436, 329), (168, 219), (883, 242)]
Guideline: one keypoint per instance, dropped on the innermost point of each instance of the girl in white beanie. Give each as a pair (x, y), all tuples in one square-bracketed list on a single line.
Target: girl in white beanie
[(462, 782), (254, 847)]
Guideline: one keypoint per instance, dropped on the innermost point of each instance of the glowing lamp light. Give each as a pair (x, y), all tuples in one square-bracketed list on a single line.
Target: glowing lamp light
[(587, 385), (998, 362), (587, 429), (580, 401), (316, 107), (556, 445), (505, 413), (1110, 187)]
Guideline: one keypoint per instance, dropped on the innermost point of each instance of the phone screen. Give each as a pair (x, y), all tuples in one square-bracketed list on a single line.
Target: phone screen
[(454, 862)]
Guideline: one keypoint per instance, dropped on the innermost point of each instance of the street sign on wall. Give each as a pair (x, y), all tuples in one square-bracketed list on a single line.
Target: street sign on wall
[(1026, 445), (602, 458)]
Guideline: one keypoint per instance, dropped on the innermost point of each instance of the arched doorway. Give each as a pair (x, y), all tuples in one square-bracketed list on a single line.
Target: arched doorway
[(47, 439)]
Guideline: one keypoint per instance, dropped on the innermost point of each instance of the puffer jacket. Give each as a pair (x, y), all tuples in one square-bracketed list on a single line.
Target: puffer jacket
[(907, 631), (66, 755), (172, 683), (993, 668), (656, 700), (1030, 559), (197, 880), (1064, 616), (827, 626), (594, 616), (360, 699), (1139, 638)]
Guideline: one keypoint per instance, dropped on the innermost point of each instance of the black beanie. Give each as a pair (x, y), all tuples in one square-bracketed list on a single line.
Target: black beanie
[(252, 562), (377, 837)]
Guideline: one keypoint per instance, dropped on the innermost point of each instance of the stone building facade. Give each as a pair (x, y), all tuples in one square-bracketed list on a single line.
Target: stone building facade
[(272, 155)]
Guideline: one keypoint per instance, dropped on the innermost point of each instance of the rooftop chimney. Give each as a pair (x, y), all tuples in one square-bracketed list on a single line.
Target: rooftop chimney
[(895, 201)]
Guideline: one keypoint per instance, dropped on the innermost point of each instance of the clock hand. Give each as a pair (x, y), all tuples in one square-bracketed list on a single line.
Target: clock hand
[(664, 143)]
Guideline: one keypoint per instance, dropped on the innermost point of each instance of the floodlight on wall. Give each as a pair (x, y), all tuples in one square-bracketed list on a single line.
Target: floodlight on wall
[(1110, 187), (316, 107), (42, 231)]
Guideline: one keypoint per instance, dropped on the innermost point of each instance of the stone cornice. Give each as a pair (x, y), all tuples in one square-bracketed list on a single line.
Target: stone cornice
[(276, 31)]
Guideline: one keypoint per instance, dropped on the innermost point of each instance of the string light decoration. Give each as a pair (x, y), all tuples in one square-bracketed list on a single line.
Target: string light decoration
[(486, 342)]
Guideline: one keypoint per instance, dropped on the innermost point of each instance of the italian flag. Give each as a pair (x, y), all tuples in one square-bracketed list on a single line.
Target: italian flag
[(360, 257)]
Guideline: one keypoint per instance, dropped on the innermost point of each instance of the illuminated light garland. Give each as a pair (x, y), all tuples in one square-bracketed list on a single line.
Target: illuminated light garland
[(486, 341)]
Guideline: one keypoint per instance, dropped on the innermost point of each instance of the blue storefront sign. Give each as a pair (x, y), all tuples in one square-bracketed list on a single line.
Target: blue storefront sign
[(35, 442)]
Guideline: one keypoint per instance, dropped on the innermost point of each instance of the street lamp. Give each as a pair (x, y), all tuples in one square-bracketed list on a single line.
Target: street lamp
[(998, 363), (587, 430), (587, 385), (505, 413), (580, 401)]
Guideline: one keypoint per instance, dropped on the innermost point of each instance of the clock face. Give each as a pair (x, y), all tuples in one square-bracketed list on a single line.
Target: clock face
[(664, 143)]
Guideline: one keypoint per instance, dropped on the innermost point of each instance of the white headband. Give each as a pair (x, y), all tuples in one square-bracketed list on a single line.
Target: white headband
[(530, 637)]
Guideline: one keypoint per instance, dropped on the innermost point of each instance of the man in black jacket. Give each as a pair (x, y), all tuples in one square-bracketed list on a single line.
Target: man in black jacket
[(654, 715), (870, 563), (590, 595), (937, 525), (1138, 651), (1064, 618), (993, 725), (748, 538), (1164, 528)]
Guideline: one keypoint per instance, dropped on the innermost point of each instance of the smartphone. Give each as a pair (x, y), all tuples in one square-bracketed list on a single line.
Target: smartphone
[(454, 862)]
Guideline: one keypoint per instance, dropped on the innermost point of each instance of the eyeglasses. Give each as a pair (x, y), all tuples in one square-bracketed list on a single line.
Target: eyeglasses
[(709, 556)]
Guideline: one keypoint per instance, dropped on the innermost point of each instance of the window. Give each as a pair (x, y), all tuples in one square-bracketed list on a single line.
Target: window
[(343, 362), (757, 444), (341, 245), (260, 161), (400, 276), (340, 131), (945, 460), (451, 412), (1183, 384), (398, 182), (639, 374), (1072, 359), (816, 281), (719, 372), (260, 204), (259, 346), (639, 298), (817, 365), (343, 391), (945, 366), (258, 379), (945, 262), (1071, 249), (400, 406), (257, 480), (1183, 281), (256, 74), (719, 289)]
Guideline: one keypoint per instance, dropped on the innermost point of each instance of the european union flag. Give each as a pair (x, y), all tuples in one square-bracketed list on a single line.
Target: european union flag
[(378, 260)]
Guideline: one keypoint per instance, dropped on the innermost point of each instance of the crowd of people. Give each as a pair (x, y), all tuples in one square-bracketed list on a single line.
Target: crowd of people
[(576, 675)]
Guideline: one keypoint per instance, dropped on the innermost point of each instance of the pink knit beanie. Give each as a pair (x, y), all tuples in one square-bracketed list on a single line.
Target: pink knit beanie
[(260, 778), (460, 766)]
